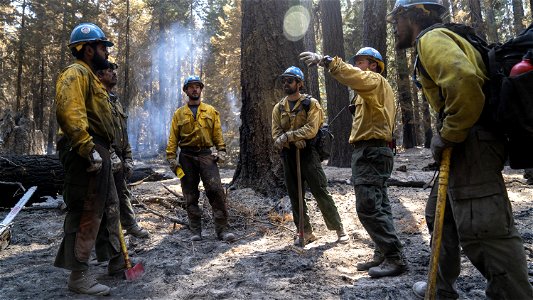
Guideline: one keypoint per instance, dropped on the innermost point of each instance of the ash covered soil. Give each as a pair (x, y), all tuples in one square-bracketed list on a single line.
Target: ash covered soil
[(262, 263)]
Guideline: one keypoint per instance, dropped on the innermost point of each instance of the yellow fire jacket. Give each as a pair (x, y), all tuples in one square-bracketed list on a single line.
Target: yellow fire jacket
[(375, 108), (121, 143), (303, 125), (83, 108), (205, 131), (456, 72)]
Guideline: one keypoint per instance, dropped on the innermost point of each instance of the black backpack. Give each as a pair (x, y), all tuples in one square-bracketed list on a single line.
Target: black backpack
[(508, 100), (323, 139)]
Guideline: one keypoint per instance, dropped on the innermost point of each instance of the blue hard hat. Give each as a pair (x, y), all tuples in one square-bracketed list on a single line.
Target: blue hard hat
[(87, 32), (293, 71), (373, 53), (192, 79), (434, 5)]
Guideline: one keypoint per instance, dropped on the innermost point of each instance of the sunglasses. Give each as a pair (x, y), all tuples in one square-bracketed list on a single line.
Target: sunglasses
[(288, 80)]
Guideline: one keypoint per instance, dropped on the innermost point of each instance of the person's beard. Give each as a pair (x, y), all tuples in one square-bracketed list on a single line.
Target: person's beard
[(193, 96), (99, 62), (289, 90)]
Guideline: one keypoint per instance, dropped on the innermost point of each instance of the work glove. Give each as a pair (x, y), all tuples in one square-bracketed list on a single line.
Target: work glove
[(312, 59), (438, 144), (281, 141), (95, 161), (220, 156), (116, 163), (174, 164), (300, 144), (128, 167)]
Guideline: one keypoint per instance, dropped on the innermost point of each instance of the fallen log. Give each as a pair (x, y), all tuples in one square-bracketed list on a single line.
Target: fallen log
[(45, 172)]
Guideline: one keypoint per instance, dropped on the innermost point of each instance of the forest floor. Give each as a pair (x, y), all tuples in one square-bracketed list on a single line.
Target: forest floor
[(262, 263)]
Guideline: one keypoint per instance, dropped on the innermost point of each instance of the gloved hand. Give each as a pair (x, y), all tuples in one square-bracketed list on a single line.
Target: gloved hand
[(95, 161), (300, 144), (174, 164), (128, 167), (220, 156), (311, 59), (438, 144), (116, 163), (281, 142)]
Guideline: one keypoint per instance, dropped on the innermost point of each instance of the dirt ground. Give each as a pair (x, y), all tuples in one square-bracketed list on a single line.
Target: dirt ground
[(262, 263)]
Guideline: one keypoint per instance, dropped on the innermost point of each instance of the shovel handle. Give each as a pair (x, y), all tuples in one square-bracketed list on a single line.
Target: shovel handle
[(301, 235), (444, 173), (123, 247)]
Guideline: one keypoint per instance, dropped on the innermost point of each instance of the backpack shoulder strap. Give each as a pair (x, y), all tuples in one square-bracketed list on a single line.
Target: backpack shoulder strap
[(306, 103)]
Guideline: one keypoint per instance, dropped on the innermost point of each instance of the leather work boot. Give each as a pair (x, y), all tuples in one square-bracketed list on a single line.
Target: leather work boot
[(138, 232), (308, 238), (80, 282), (419, 289), (365, 266), (226, 236), (343, 238), (117, 266), (389, 267), (196, 237)]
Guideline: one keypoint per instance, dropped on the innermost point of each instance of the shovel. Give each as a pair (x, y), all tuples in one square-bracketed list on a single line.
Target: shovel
[(437, 227), (132, 273), (300, 201)]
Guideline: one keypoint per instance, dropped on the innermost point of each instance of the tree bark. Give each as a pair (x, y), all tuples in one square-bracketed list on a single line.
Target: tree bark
[(43, 171), (262, 37), (476, 17), (311, 74), (405, 100), (20, 58), (339, 118), (492, 33), (518, 16)]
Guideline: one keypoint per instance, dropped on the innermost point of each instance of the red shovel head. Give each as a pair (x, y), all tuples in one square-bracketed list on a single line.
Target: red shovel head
[(134, 272)]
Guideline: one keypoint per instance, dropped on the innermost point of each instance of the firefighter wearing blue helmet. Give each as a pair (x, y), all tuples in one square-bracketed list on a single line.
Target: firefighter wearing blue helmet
[(478, 216), (372, 159), (84, 146), (296, 120), (195, 129)]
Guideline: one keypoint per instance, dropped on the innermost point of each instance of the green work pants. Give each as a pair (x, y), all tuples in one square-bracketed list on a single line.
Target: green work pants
[(478, 217), (127, 215), (372, 163), (92, 210), (312, 174)]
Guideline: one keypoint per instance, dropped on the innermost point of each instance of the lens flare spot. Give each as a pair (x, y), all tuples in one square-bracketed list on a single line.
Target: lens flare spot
[(296, 22)]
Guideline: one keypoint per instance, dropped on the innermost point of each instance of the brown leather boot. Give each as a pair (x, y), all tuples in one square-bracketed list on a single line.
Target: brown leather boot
[(138, 232), (376, 260), (389, 267), (80, 282)]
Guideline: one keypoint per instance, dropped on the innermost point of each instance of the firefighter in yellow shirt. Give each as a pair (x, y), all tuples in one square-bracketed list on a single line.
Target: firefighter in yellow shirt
[(478, 217), (295, 123), (122, 148), (86, 124), (195, 129), (372, 159)]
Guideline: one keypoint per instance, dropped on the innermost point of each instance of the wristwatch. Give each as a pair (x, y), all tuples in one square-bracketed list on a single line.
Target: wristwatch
[(327, 60)]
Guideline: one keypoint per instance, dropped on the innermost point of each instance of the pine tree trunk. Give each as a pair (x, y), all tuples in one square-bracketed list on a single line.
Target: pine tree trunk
[(337, 94), (518, 16), (262, 38)]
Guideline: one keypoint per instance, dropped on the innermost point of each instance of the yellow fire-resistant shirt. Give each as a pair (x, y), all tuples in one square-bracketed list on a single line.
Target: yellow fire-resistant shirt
[(375, 108), (458, 72), (83, 108), (121, 143), (205, 131), (304, 125)]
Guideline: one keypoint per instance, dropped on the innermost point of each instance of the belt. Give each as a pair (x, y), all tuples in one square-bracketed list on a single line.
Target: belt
[(195, 150), (370, 143)]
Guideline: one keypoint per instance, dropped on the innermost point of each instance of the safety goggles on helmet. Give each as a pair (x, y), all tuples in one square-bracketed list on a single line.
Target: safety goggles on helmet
[(427, 6)]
